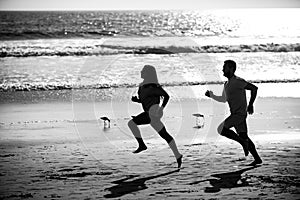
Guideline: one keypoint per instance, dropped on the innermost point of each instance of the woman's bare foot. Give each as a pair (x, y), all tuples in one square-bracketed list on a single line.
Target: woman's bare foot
[(179, 161)]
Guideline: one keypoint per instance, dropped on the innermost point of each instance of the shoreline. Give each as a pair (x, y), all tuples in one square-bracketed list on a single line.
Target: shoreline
[(271, 115), (177, 93)]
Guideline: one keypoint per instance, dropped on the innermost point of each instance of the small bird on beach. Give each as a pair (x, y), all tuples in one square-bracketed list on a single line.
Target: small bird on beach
[(199, 120), (198, 115), (105, 119)]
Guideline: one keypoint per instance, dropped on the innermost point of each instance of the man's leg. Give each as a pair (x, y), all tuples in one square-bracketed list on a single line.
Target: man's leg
[(244, 142), (224, 130), (243, 133), (252, 149)]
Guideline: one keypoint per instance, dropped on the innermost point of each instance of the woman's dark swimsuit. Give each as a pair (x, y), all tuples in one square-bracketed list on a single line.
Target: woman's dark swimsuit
[(147, 99)]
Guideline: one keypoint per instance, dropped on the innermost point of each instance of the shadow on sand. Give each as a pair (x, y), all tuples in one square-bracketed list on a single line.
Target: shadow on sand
[(124, 187), (226, 180)]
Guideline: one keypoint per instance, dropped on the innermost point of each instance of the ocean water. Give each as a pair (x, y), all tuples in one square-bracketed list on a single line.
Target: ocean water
[(107, 49), (95, 24)]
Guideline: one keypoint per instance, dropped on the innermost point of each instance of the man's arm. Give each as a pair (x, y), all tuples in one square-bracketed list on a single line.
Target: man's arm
[(135, 99), (253, 90), (222, 98)]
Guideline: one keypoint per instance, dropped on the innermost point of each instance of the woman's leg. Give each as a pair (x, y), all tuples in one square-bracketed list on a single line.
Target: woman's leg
[(137, 134), (160, 128)]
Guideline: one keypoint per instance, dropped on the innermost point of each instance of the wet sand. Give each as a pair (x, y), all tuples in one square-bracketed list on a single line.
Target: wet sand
[(62, 151)]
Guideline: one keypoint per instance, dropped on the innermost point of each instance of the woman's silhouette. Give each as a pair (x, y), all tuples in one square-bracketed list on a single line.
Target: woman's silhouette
[(149, 95)]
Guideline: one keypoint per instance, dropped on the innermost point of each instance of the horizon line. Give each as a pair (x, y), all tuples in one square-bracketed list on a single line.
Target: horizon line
[(171, 9)]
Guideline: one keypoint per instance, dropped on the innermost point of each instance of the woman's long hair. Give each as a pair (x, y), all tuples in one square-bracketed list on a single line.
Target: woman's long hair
[(150, 75)]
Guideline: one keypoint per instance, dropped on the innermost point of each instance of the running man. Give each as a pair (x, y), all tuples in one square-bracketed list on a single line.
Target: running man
[(149, 95), (234, 93)]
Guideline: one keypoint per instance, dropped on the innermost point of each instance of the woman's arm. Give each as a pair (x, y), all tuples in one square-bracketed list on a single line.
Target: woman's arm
[(166, 98), (159, 91)]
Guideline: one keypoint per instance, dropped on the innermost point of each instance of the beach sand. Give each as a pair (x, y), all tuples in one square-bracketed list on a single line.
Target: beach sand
[(61, 150)]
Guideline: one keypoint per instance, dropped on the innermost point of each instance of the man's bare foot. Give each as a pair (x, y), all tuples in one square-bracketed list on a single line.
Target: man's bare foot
[(256, 162), (140, 149), (179, 161)]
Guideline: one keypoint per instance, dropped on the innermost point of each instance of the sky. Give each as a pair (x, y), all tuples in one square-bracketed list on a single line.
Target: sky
[(142, 4)]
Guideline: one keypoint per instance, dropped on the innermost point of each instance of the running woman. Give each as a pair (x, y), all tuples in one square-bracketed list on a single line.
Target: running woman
[(149, 95)]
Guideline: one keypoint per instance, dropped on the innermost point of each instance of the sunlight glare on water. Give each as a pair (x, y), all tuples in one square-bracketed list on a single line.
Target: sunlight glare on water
[(264, 22)]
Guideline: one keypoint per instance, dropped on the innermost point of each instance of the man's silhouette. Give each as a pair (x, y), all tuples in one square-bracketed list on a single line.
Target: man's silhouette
[(234, 93), (149, 95)]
